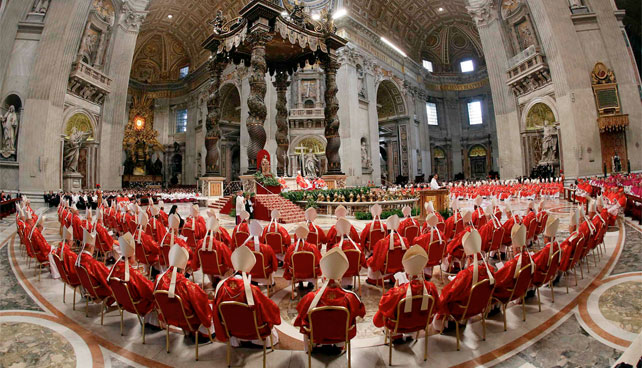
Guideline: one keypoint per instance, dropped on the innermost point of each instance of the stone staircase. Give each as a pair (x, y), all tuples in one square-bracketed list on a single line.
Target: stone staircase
[(220, 203), (290, 212)]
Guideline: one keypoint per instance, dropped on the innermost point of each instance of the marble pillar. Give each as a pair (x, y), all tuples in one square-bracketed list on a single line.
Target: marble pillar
[(332, 124), (212, 160), (256, 100), (281, 84), (115, 111)]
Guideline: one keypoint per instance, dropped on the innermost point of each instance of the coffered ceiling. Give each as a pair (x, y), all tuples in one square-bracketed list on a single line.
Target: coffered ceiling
[(408, 23)]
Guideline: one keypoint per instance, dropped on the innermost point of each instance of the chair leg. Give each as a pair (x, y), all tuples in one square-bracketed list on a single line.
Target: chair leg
[(142, 327), (102, 312), (228, 352), (196, 339), (309, 353), (292, 288), (567, 281), (523, 309), (263, 353), (504, 314), (550, 283), (389, 347), (425, 345), (74, 305), (64, 291), (86, 306), (167, 339), (539, 302), (457, 332), (483, 328), (121, 321), (349, 354), (575, 273), (271, 343)]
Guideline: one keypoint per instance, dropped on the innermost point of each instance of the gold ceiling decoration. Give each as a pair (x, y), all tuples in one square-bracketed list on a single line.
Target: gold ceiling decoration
[(538, 116), (140, 129), (81, 123)]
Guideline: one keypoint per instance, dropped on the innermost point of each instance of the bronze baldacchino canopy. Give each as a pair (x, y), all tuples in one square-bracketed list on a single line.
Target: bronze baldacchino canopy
[(268, 38)]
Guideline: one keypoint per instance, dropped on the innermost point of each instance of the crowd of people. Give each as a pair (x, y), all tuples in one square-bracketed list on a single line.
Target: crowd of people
[(91, 198), (155, 253)]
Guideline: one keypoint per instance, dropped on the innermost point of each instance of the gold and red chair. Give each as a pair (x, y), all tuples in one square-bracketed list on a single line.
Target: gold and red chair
[(323, 333), (481, 293), (518, 291), (125, 302), (303, 265)]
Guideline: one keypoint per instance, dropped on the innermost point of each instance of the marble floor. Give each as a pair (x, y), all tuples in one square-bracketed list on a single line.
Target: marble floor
[(588, 327)]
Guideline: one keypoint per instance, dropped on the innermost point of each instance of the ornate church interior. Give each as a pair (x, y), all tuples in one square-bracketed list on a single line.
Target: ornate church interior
[(320, 183)]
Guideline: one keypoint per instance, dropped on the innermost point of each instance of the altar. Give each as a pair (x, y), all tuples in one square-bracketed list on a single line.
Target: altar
[(439, 198)]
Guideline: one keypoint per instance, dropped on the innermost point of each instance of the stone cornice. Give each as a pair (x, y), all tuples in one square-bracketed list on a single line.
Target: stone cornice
[(131, 18), (483, 12)]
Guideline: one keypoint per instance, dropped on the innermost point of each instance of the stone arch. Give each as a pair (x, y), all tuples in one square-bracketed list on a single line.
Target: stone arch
[(533, 130), (440, 162), (547, 101), (81, 118), (316, 145), (390, 101), (230, 103), (477, 161)]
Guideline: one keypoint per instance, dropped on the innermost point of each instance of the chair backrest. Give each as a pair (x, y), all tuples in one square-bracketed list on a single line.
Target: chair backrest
[(416, 319), (522, 282), (139, 250), (60, 266), (496, 238), (531, 229), (120, 291), (167, 306), (191, 237), (579, 249), (435, 252), (303, 265), (313, 238), (441, 225), (240, 320), (541, 225), (393, 261), (375, 235), (239, 238), (552, 267), (210, 262), (275, 241), (354, 262), (411, 232), (164, 258), (481, 291), (323, 332), (86, 282), (259, 270)]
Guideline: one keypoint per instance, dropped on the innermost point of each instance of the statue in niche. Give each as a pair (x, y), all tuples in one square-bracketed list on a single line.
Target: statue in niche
[(362, 82), (576, 4), (311, 165), (549, 144), (617, 162), (525, 35), (365, 156), (40, 6), (88, 47), (9, 126), (73, 143)]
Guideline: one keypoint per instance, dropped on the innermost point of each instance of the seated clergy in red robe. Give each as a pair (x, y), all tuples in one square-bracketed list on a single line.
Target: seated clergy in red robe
[(195, 222), (155, 227), (441, 225), (195, 302), (275, 228), (104, 241), (511, 219), (243, 227), (239, 289), (384, 247), (455, 249), (97, 271), (478, 218), (434, 244), (530, 216), (67, 255), (599, 222), (140, 288), (314, 230), (210, 243), (457, 291), (38, 243), (162, 215), (333, 265), (348, 245), (300, 246), (172, 237), (587, 229), (150, 250), (569, 244), (77, 223), (220, 234), (408, 285), (270, 263), (331, 235), (454, 224), (543, 258), (376, 223), (407, 222), (505, 277)]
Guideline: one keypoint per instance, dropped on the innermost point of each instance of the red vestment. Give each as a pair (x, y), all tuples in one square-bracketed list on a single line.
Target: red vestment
[(40, 246), (505, 276), (223, 253), (104, 241), (364, 239), (149, 246), (454, 224), (455, 248), (457, 291), (508, 227), (389, 301), (479, 218), (68, 258), (199, 228), (156, 229), (542, 261), (568, 249), (332, 237), (232, 290), (332, 296), (194, 299), (98, 273), (441, 224), (274, 227), (380, 250), (302, 247), (140, 288)]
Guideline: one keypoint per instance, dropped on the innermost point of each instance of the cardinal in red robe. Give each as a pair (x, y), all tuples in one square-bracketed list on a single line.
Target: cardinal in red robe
[(331, 235), (275, 227), (196, 223), (376, 262), (506, 276), (441, 224), (97, 271), (543, 258), (210, 243), (150, 250), (314, 230), (243, 227), (38, 243), (301, 246), (375, 224)]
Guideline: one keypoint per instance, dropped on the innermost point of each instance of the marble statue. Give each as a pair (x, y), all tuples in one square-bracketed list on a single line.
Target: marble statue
[(617, 162), (40, 6), (9, 125), (575, 4), (549, 144), (365, 156), (311, 164), (73, 143)]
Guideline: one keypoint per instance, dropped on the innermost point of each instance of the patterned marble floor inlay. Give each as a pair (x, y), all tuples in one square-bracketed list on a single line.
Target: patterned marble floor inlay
[(29, 345), (631, 257), (13, 295), (622, 305)]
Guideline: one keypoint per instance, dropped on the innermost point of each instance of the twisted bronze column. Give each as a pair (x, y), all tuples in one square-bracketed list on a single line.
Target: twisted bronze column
[(256, 99), (330, 66), (212, 159), (282, 140)]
